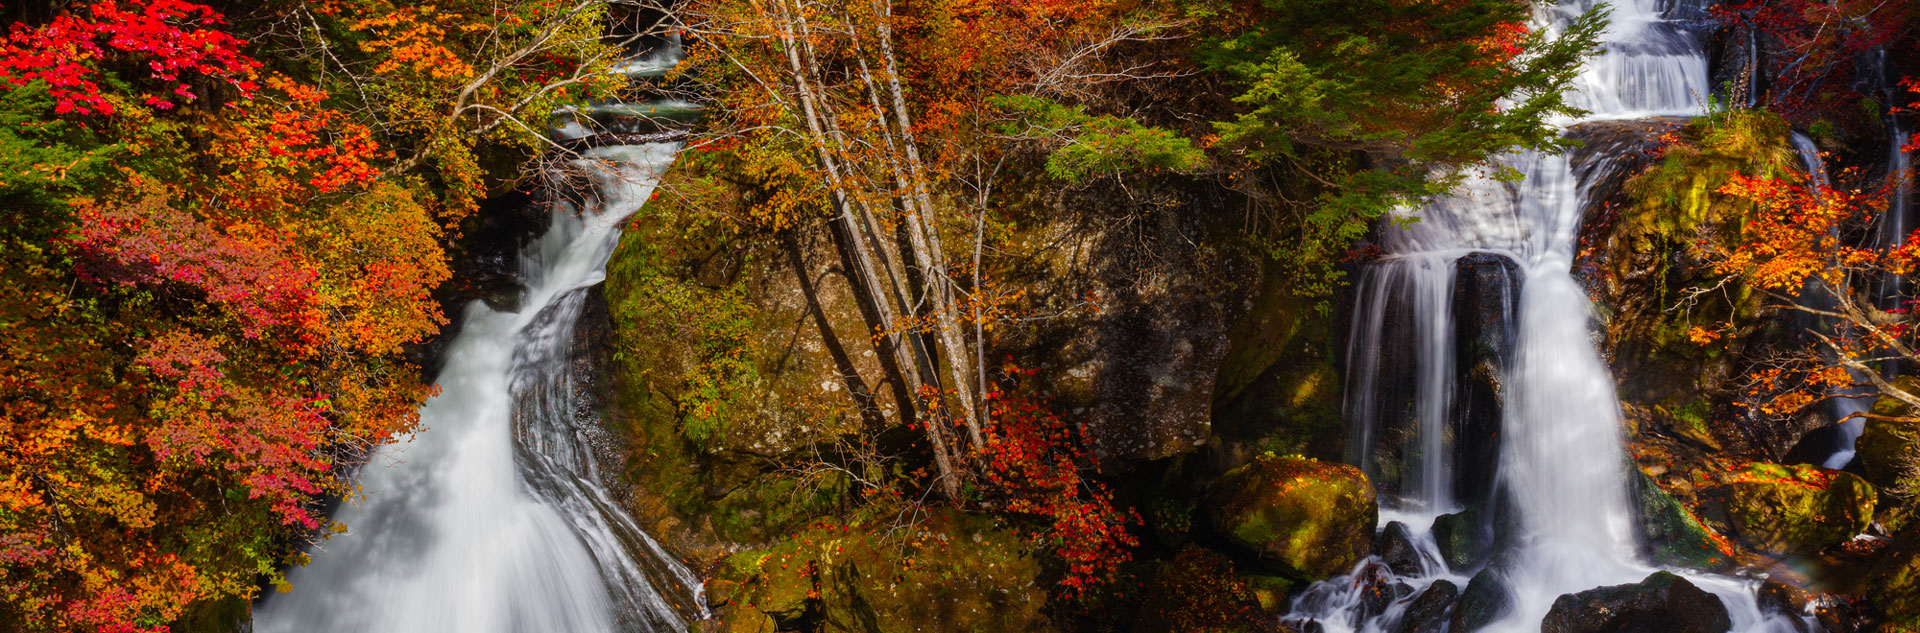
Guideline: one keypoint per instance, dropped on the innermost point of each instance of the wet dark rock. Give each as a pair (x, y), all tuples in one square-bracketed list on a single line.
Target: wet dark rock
[(1485, 293), (1428, 612), (1662, 603), (1464, 539), (1486, 598), (1785, 593), (1379, 593), (1395, 548)]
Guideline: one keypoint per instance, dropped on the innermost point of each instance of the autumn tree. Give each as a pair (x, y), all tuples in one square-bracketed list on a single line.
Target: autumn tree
[(220, 261)]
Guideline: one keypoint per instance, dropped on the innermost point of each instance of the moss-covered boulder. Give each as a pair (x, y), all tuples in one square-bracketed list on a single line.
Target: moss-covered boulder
[(1889, 449), (1797, 509), (1306, 518), (1200, 591), (1893, 584), (778, 582), (1464, 539), (1670, 534), (952, 573)]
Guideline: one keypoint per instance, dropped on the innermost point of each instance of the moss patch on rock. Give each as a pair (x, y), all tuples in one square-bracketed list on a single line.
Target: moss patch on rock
[(1893, 584), (1307, 518), (1889, 448), (1201, 591), (1797, 509), (951, 573)]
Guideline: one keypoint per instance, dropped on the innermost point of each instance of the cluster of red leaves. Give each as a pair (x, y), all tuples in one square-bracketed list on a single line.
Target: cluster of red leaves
[(1507, 42), (171, 38), (191, 350), (244, 269), (286, 150), (1037, 461), (270, 438)]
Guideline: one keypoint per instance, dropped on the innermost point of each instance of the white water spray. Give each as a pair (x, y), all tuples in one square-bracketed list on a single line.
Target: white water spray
[(1562, 458), (490, 519)]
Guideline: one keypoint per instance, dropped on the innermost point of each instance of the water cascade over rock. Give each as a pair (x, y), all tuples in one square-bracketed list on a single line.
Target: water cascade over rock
[(492, 518), (1560, 520)]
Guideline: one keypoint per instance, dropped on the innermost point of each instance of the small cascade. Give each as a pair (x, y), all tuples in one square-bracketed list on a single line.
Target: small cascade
[(1408, 301), (492, 517), (1562, 469), (1841, 437)]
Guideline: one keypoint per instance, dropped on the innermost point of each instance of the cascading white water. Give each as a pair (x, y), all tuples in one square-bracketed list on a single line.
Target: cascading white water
[(1845, 433), (1423, 478), (1563, 463), (491, 518)]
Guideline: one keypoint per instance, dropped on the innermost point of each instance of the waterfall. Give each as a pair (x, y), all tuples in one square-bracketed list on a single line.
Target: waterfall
[(491, 518), (1562, 465), (1843, 435)]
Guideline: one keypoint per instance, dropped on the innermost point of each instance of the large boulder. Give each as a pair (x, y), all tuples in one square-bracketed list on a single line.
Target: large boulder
[(1893, 584), (952, 573), (1486, 294), (1200, 591), (1797, 509), (1889, 449), (1669, 533), (1304, 517), (1662, 603)]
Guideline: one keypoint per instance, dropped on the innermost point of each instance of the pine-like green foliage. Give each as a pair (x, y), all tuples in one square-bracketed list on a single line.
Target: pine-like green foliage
[(1091, 146), (1382, 103)]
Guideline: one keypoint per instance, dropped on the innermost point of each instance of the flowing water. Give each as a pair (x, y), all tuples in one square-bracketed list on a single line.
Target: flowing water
[(1562, 464), (491, 518)]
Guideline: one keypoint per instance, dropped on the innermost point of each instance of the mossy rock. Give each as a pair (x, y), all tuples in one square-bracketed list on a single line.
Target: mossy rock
[(952, 574), (1893, 584), (1670, 535), (1305, 517), (779, 582), (1464, 539), (742, 619), (1797, 509), (1889, 452), (1200, 591)]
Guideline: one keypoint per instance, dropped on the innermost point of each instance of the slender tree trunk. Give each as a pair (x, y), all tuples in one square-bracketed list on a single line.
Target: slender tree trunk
[(866, 275), (923, 228)]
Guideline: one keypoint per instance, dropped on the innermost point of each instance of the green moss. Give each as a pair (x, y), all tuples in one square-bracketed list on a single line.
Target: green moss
[(711, 329), (1278, 388), (1893, 584), (1798, 509), (1674, 536), (1309, 518), (951, 573), (1677, 202)]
